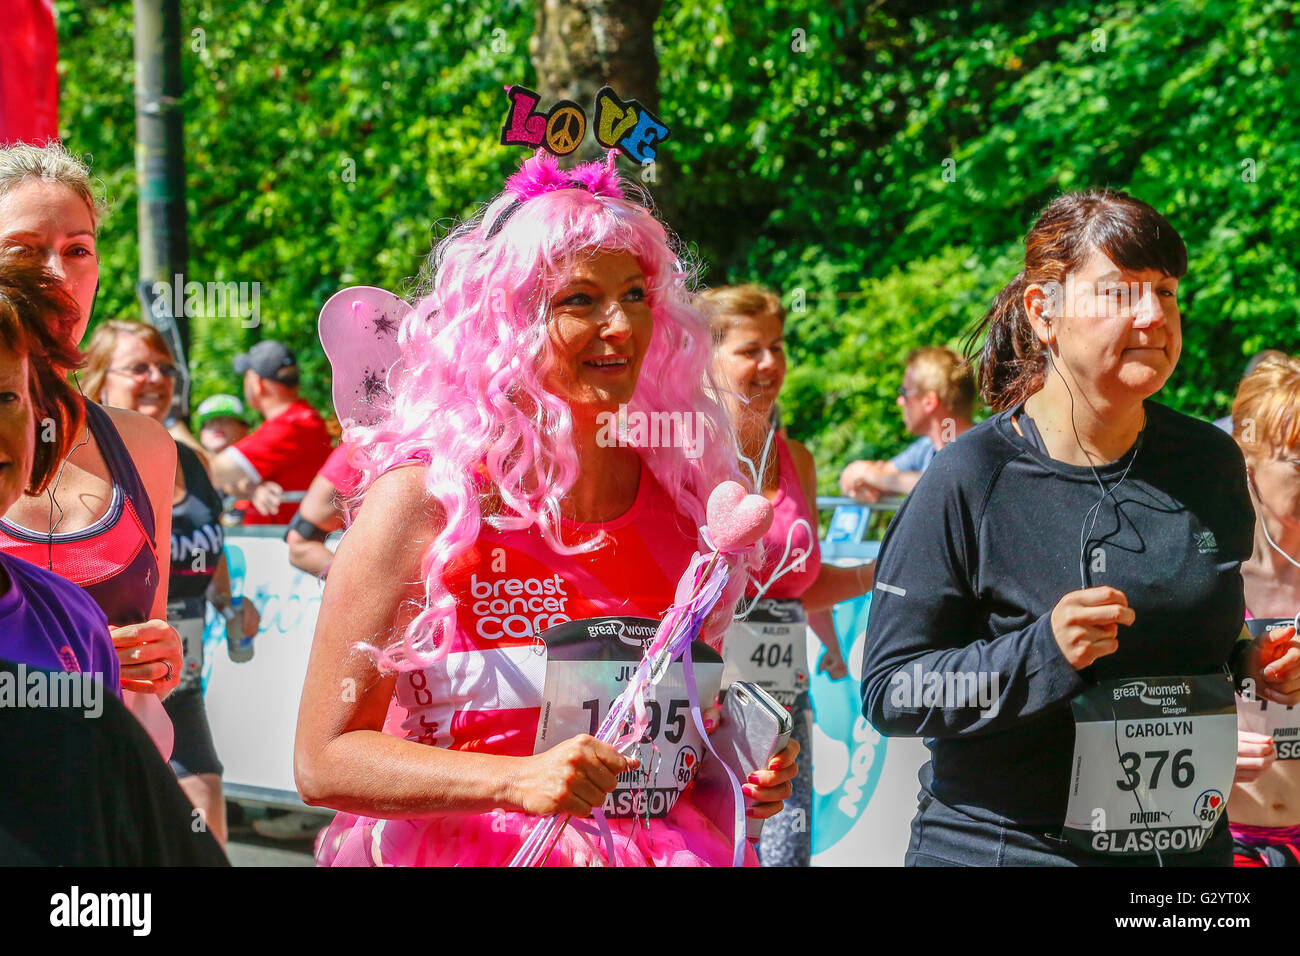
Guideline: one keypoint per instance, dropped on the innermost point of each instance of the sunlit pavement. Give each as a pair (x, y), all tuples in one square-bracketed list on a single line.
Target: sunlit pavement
[(247, 847)]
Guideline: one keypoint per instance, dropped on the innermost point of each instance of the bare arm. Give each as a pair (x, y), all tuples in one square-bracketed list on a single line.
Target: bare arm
[(823, 625), (836, 584), (342, 759), (230, 475), (320, 506), (153, 452), (182, 435), (833, 584), (895, 482)]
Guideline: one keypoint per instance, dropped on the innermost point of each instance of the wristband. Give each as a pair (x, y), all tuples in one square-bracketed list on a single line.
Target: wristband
[(229, 612), (305, 528)]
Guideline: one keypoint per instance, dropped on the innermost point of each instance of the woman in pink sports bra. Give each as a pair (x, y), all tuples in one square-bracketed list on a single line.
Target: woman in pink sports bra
[(1264, 804), (105, 523), (508, 492), (793, 589)]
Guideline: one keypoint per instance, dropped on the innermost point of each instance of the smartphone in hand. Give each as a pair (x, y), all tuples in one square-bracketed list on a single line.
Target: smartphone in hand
[(755, 728)]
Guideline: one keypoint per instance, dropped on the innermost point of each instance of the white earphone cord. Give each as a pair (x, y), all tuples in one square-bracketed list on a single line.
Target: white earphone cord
[(1095, 511), (1264, 524), (781, 567)]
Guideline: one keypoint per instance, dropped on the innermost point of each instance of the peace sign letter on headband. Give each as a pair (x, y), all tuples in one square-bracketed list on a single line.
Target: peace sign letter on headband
[(561, 130)]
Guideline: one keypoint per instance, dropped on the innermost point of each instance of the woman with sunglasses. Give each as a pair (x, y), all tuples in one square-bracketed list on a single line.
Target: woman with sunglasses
[(105, 520), (128, 365)]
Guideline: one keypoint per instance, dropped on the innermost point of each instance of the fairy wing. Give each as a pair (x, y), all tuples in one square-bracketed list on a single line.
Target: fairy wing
[(358, 330)]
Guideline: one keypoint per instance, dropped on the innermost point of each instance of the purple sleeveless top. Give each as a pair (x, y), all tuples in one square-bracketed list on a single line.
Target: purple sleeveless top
[(113, 559), (790, 505), (48, 622)]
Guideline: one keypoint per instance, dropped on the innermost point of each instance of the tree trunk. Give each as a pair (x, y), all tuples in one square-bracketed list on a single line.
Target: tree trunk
[(578, 46)]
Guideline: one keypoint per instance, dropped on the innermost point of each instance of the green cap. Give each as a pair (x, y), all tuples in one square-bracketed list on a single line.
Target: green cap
[(219, 406)]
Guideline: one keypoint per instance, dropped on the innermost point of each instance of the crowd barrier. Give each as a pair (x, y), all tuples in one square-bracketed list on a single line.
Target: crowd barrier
[(865, 785)]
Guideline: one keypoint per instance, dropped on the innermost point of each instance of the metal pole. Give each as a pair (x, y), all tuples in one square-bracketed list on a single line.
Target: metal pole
[(160, 171)]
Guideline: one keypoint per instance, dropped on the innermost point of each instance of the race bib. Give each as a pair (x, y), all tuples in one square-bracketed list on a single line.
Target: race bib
[(187, 617), (1153, 761), (588, 663), (769, 648)]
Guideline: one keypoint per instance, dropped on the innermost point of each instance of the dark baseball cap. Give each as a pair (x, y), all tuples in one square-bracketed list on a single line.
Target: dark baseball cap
[(269, 359)]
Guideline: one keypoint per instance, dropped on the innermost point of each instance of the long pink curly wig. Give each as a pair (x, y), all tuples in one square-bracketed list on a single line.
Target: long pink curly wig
[(477, 350)]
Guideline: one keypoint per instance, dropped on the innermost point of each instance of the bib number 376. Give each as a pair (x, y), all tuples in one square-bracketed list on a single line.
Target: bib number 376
[(1153, 761)]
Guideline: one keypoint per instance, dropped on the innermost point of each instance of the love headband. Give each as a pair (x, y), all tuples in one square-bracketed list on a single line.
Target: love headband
[(620, 124)]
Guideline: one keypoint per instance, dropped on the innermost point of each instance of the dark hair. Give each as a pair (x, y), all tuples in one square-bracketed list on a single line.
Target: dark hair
[(38, 319), (1132, 234)]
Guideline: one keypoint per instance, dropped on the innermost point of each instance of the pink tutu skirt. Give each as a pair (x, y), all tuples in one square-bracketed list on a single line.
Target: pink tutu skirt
[(684, 838)]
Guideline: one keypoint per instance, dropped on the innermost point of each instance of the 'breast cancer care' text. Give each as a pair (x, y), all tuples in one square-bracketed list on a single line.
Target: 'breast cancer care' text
[(518, 607)]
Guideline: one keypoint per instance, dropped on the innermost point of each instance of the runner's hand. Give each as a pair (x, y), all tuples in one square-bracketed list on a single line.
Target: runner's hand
[(1275, 666), (857, 481), (266, 497), (251, 620), (571, 777), (832, 663), (1086, 624), (144, 650), (770, 788), (1255, 754)]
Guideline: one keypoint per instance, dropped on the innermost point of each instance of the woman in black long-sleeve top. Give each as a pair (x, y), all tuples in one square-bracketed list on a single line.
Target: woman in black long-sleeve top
[(1058, 604)]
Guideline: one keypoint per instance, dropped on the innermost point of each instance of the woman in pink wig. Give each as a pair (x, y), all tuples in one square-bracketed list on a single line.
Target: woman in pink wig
[(499, 501)]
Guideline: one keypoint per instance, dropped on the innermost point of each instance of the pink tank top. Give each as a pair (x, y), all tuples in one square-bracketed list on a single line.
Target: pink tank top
[(804, 552), (486, 695), (113, 559)]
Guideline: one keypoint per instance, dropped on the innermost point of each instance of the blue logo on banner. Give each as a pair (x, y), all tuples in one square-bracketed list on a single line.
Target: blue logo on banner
[(838, 714)]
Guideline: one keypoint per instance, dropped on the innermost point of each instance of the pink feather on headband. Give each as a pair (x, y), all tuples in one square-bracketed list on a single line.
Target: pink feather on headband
[(541, 173)]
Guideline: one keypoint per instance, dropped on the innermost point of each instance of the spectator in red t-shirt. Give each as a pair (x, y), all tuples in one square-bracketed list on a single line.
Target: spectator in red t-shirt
[(286, 451), (321, 513)]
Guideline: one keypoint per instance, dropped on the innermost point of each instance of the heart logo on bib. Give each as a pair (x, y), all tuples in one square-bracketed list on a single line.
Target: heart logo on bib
[(1214, 803), (737, 520)]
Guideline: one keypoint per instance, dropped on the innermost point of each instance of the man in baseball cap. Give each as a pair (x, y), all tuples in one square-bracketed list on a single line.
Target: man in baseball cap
[(285, 452), (271, 360)]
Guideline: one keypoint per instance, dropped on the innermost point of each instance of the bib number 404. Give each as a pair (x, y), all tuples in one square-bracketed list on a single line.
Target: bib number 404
[(673, 728), (773, 655), (1181, 771)]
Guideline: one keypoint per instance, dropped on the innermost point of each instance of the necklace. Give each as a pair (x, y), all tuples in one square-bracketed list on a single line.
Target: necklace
[(53, 525), (759, 473)]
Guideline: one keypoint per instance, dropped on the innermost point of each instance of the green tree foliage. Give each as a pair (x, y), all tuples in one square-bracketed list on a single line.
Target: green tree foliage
[(879, 164), (324, 148)]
